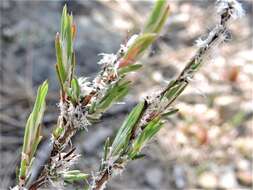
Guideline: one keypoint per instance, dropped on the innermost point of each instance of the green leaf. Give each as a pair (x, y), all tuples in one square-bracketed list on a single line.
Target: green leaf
[(153, 26), (57, 132), (75, 89), (121, 140), (63, 20), (32, 135), (73, 65), (37, 140), (106, 148), (61, 69), (137, 48), (115, 93), (106, 151), (35, 118), (23, 167), (138, 156), (149, 131), (64, 50), (59, 77), (160, 24), (92, 108), (157, 17), (74, 176), (169, 112), (121, 94), (129, 68), (69, 36), (175, 90)]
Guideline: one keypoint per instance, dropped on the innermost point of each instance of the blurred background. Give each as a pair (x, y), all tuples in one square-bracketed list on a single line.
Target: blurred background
[(207, 145)]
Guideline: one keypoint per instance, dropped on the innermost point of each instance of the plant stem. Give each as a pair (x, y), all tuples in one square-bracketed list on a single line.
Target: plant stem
[(156, 107), (69, 122)]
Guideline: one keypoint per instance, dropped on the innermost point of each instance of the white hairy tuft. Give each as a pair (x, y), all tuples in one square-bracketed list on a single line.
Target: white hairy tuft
[(107, 59), (201, 42), (236, 10), (85, 86)]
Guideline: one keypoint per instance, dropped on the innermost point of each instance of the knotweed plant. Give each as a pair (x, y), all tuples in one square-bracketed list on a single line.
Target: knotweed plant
[(83, 102)]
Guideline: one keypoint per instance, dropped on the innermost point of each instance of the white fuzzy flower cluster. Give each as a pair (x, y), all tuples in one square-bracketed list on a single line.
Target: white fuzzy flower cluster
[(233, 6), (215, 32), (107, 59), (200, 42), (109, 75), (234, 9), (75, 116), (85, 86), (62, 162), (78, 116)]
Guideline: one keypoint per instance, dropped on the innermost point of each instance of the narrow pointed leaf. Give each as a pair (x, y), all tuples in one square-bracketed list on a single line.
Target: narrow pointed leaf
[(115, 93), (156, 16), (175, 90), (149, 131), (161, 23), (138, 156), (123, 135), (75, 89), (32, 135), (73, 65), (74, 176), (106, 148), (61, 69), (170, 112), (35, 117), (63, 19), (106, 151), (69, 36), (23, 167), (129, 68), (57, 132), (59, 77), (137, 48)]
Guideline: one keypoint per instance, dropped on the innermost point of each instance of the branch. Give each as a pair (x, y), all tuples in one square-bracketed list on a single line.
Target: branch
[(147, 117), (83, 102)]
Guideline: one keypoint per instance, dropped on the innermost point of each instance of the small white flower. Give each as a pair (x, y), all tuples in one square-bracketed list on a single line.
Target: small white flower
[(200, 43), (235, 7), (107, 59)]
